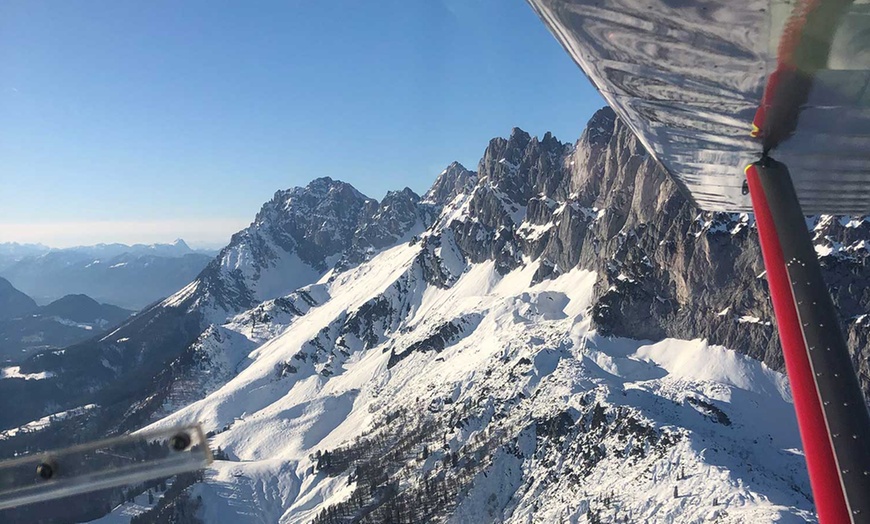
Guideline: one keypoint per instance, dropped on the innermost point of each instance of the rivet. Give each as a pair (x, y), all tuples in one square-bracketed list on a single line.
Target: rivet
[(845, 404), (180, 442), (45, 470)]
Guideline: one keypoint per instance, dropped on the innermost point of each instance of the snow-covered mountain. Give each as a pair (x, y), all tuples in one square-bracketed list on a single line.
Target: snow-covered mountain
[(491, 399), (559, 336)]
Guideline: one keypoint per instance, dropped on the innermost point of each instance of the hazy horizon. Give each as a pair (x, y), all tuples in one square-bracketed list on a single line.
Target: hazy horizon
[(198, 234)]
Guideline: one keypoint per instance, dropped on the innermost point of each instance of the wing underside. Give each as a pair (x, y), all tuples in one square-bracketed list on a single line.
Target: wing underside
[(689, 77)]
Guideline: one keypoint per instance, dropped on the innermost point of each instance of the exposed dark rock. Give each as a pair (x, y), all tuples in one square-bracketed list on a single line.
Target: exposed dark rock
[(453, 181)]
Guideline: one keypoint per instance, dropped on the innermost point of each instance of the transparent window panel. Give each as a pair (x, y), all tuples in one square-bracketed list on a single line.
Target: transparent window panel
[(117, 461)]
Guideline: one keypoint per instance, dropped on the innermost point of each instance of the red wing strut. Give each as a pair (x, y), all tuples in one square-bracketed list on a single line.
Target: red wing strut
[(833, 420)]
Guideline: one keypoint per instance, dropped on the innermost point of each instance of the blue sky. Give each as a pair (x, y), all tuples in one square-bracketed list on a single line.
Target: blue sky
[(145, 121)]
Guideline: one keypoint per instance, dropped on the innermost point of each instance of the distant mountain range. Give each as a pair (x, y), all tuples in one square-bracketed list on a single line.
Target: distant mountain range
[(26, 328), (129, 276)]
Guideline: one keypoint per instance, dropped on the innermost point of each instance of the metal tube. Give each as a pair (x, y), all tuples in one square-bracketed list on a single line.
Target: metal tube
[(831, 412)]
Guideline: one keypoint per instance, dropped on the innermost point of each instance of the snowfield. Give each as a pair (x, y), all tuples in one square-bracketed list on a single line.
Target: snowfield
[(495, 391), (15, 372)]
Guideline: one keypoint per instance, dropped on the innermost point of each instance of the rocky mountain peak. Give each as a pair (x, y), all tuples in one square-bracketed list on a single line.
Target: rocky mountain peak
[(305, 231), (601, 126), (390, 219), (322, 195), (402, 195), (523, 167), (453, 181), (518, 138)]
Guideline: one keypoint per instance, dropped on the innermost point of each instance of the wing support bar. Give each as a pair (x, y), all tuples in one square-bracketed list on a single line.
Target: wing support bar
[(831, 412)]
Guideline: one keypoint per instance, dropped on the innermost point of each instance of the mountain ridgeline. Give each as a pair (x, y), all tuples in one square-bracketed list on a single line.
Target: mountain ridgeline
[(13, 302), (555, 259), (26, 328)]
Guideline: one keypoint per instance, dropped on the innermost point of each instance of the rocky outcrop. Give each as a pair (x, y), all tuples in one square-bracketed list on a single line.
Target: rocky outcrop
[(452, 182), (666, 268)]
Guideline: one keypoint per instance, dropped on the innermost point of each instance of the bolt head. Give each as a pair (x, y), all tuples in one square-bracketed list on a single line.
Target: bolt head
[(179, 442)]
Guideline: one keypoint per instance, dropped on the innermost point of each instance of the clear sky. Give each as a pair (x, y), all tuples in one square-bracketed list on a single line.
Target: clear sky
[(150, 120)]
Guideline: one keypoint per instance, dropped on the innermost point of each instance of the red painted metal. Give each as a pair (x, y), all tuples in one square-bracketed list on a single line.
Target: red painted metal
[(821, 463)]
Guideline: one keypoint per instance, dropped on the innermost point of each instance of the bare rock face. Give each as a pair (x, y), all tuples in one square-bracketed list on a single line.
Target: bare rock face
[(455, 180), (666, 268)]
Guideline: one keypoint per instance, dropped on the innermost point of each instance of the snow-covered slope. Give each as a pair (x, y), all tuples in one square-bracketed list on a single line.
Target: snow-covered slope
[(461, 376), (517, 411)]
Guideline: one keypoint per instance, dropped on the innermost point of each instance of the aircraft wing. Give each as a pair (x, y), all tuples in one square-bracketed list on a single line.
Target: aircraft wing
[(689, 76)]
